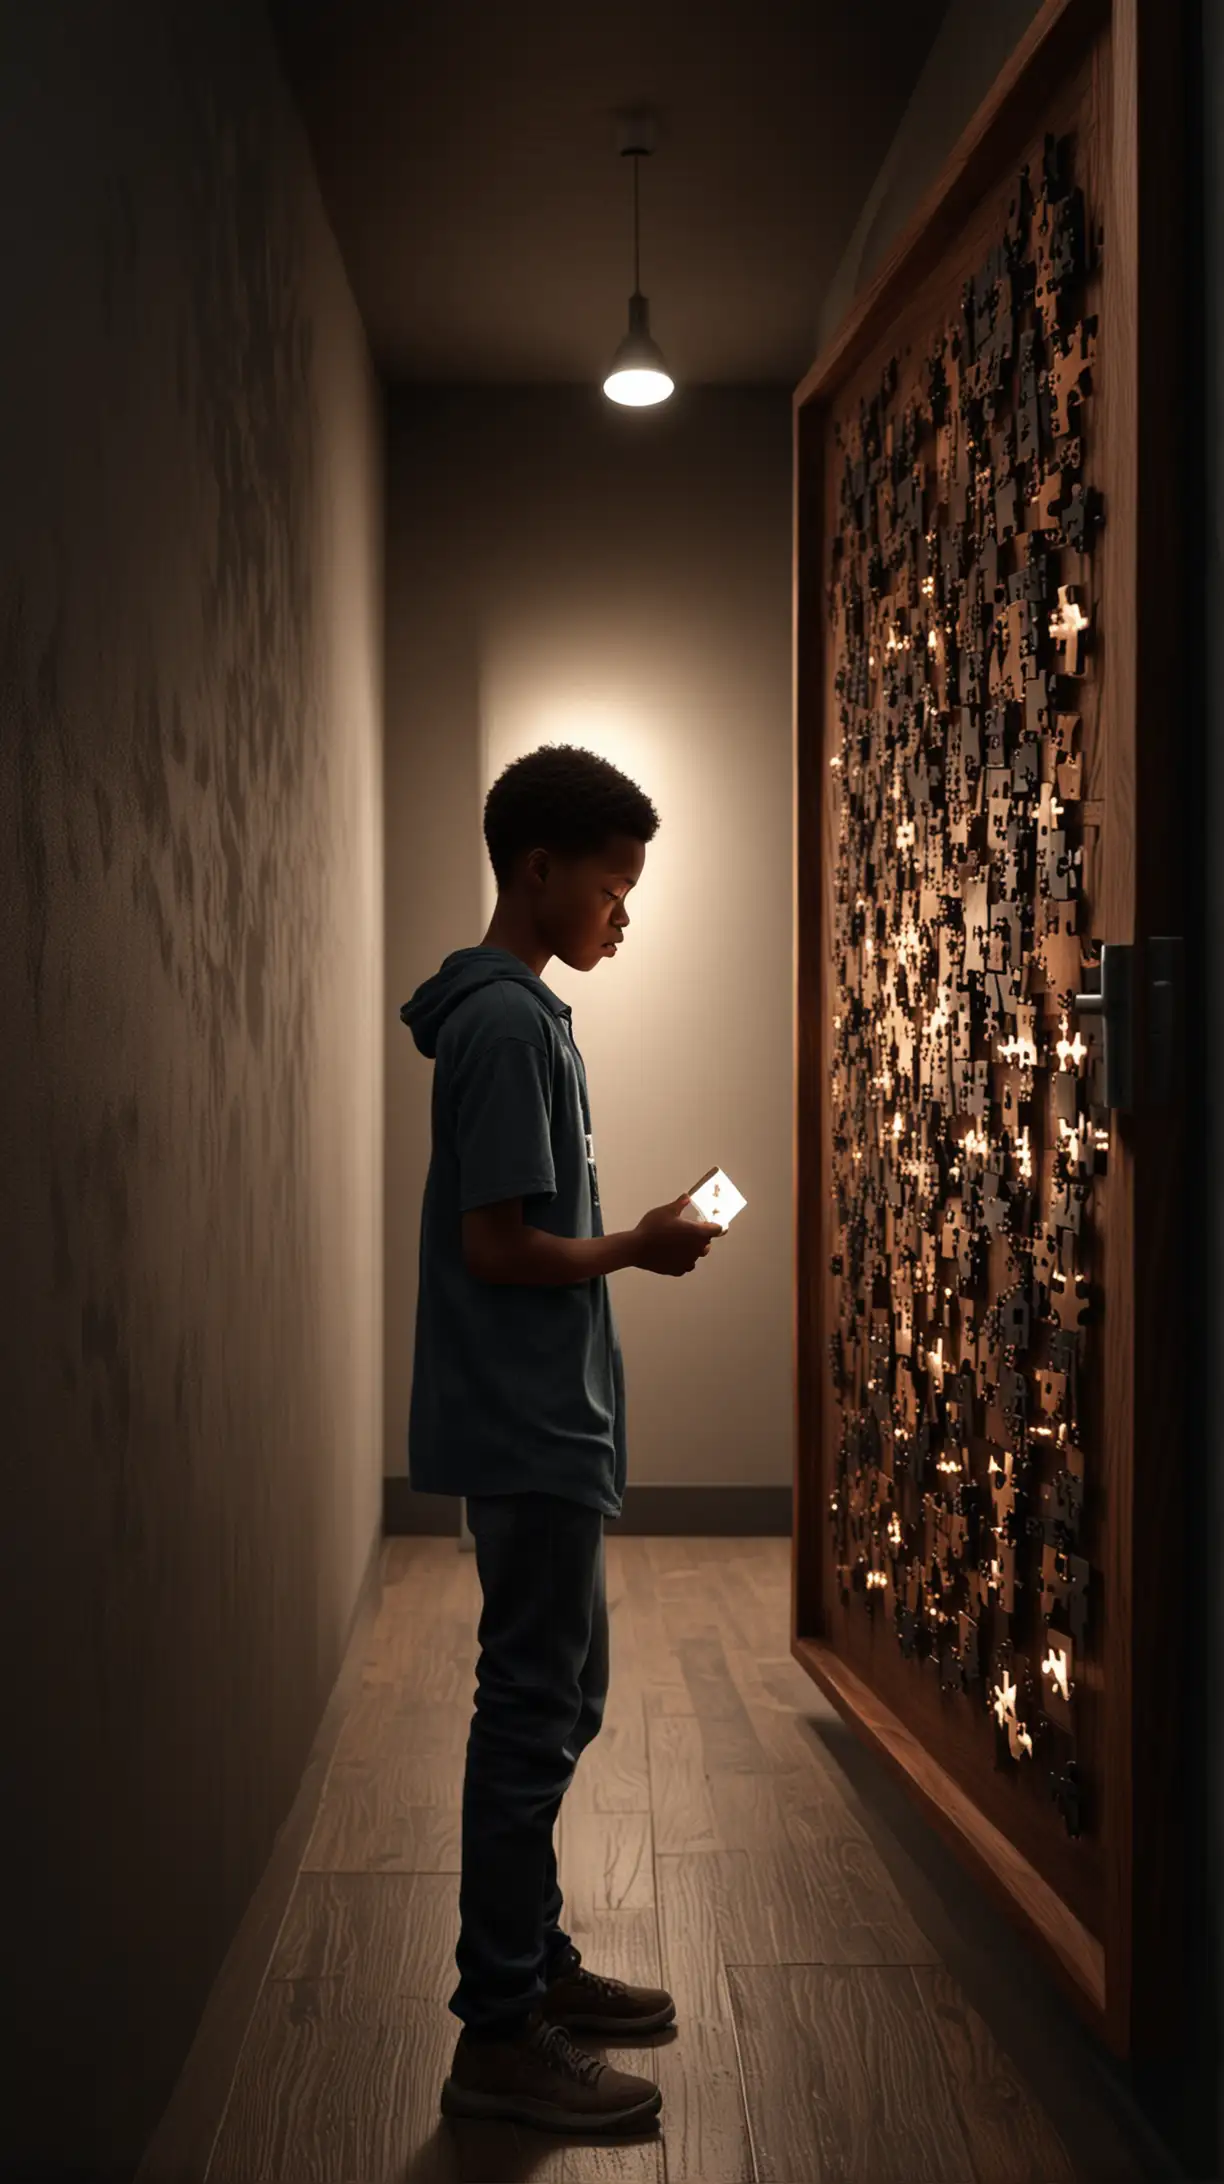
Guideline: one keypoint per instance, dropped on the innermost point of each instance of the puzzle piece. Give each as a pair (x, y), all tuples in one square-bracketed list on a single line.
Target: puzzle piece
[(1069, 628), (1057, 1680), (1065, 1580), (1014, 1736), (1070, 1301), (1066, 1790)]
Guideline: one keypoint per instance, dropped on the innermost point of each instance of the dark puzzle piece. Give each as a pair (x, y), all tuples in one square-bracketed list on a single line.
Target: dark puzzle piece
[(1065, 1580), (1067, 1792)]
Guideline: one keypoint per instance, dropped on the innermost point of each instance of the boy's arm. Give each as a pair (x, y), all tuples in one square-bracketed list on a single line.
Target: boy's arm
[(505, 1155), (500, 1247)]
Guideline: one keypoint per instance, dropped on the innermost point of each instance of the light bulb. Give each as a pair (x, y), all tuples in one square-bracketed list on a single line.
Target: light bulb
[(638, 387)]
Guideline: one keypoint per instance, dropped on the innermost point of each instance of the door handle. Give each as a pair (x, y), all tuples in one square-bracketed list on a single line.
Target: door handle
[(1114, 1005)]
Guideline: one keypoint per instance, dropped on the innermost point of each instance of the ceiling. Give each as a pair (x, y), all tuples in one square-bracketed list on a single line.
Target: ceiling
[(467, 155)]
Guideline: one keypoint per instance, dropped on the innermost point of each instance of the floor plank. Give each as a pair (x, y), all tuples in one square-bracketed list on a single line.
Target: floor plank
[(705, 2121), (845, 2080), (751, 1809), (633, 2161), (612, 1774), (385, 1722), (322, 2096), (673, 1565), (779, 1721), (729, 1740), (606, 1869), (752, 1618), (680, 1800), (1010, 2139), (389, 1815), (376, 1936), (801, 1883), (362, 1833), (830, 1909), (426, 1658), (641, 1649)]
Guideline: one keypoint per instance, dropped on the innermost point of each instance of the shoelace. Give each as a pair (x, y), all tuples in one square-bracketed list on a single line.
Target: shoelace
[(613, 1988), (555, 2042)]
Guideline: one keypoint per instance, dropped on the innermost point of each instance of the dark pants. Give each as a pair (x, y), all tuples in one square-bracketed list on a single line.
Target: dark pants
[(541, 1683)]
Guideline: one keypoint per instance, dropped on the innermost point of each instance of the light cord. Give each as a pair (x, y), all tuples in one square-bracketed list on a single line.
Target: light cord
[(637, 284)]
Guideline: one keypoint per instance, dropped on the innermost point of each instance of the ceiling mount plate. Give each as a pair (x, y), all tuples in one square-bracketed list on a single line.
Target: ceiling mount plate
[(636, 132)]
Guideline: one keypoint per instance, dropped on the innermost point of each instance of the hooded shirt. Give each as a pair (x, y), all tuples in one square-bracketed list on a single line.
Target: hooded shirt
[(517, 1388)]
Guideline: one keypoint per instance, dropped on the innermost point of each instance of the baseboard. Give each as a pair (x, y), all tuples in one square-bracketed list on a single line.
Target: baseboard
[(705, 1512), (699, 1512), (436, 1515), (181, 2147)]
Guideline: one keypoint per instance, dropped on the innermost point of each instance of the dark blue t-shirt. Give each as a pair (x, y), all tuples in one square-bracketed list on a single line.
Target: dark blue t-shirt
[(516, 1388)]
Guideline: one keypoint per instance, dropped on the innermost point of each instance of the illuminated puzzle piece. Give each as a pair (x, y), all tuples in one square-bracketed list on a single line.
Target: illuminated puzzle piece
[(1056, 1678), (1068, 627), (1003, 1699), (1072, 1052), (1070, 1300)]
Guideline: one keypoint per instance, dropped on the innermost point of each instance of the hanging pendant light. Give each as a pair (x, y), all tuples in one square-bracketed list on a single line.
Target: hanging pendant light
[(638, 376)]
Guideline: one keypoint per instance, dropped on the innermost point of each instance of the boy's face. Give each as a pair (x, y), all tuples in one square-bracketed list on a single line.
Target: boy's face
[(580, 903)]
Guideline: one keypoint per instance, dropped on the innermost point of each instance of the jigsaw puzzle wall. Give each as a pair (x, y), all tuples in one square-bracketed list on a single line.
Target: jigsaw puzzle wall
[(969, 1131)]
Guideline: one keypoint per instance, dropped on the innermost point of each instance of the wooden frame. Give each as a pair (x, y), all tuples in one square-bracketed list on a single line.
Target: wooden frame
[(1125, 1975)]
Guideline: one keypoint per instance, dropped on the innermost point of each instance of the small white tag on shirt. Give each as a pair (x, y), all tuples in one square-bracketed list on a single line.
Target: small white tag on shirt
[(590, 1145)]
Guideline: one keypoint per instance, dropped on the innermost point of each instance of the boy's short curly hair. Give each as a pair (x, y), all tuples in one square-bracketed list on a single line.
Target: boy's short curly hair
[(565, 799)]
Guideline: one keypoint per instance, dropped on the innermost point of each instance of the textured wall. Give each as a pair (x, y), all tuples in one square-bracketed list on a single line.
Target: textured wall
[(558, 571), (191, 1099)]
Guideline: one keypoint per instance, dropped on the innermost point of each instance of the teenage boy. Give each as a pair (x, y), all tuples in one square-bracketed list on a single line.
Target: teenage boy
[(518, 1405)]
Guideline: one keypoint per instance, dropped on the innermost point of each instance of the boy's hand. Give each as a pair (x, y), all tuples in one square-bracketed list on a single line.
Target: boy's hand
[(667, 1243)]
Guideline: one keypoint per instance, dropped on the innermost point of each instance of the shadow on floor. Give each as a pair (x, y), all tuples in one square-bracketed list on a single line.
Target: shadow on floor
[(1028, 2016)]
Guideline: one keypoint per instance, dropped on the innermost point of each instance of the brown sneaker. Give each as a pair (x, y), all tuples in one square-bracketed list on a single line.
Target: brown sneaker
[(543, 2080), (584, 2002)]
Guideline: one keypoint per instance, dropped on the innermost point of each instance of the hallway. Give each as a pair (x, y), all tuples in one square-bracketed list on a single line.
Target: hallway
[(710, 1839), (334, 503)]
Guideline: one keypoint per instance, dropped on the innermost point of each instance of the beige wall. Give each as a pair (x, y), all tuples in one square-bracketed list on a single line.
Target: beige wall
[(561, 571), (191, 1097)]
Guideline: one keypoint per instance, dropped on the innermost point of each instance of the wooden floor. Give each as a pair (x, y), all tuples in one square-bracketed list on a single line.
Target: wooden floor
[(707, 1841)]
